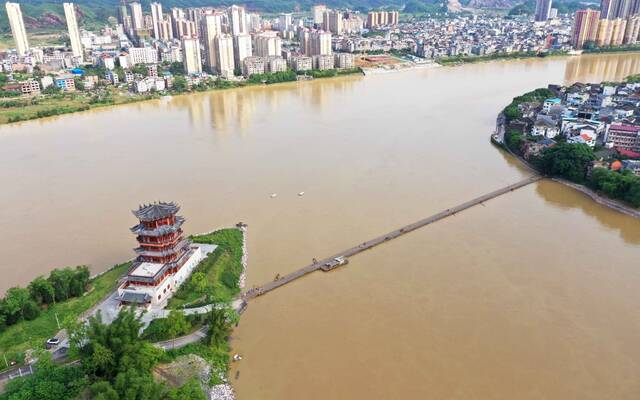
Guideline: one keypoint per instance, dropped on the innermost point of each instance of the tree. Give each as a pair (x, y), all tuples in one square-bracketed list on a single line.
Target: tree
[(102, 390), (189, 391), (17, 305), (179, 84), (60, 279), (567, 160), (178, 324), (219, 326), (48, 382), (42, 291)]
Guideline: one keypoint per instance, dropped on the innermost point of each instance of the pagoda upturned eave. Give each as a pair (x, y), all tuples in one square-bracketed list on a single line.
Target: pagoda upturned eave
[(156, 211), (162, 253), (161, 230)]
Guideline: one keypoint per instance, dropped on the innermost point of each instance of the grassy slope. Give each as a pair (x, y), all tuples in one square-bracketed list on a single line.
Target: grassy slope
[(28, 334), (63, 103), (225, 260)]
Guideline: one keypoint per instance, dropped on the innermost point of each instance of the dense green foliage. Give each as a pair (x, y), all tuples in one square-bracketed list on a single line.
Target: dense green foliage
[(569, 161), (592, 48), (496, 56), (215, 279), (96, 12), (48, 382), (512, 112), (624, 186), (514, 139), (273, 77), (175, 325), (563, 6), (215, 350), (118, 362), (24, 334), (21, 304), (424, 7)]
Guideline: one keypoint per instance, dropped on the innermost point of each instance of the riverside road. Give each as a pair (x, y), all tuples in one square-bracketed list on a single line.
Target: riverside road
[(318, 264)]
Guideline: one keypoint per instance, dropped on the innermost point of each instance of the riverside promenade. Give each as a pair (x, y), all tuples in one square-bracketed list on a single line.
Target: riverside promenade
[(331, 261)]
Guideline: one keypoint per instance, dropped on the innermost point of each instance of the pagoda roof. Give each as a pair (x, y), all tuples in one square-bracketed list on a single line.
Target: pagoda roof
[(159, 231), (155, 211)]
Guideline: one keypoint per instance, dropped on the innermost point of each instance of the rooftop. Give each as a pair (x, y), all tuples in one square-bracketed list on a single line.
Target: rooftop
[(146, 269), (155, 211)]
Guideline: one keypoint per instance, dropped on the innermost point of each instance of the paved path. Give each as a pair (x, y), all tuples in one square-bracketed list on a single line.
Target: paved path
[(258, 291), (183, 340)]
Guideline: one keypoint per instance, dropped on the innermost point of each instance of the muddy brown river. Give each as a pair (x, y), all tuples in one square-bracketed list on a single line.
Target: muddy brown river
[(534, 295)]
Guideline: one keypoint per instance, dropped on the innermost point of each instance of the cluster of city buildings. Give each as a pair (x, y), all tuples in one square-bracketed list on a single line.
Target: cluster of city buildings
[(224, 43), (232, 43), (481, 35), (603, 115), (616, 23)]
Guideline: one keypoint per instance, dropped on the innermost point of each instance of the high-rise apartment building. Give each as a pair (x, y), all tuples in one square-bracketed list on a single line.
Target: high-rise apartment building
[(191, 55), (543, 9), (633, 30), (332, 22), (320, 43), (211, 27), (612, 9), (268, 44), (18, 31), (382, 18), (156, 19), (318, 13), (285, 21), (242, 48), (74, 32), (224, 55), (137, 20), (585, 28), (237, 20)]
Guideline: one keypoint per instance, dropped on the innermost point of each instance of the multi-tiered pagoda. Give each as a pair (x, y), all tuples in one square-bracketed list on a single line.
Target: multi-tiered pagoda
[(160, 233), (165, 258)]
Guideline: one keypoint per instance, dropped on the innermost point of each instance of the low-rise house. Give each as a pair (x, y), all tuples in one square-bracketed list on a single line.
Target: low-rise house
[(545, 126), (583, 139), (548, 103), (29, 87), (46, 81), (65, 83), (534, 149)]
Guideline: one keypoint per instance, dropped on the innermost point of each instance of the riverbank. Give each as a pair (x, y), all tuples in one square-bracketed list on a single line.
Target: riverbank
[(220, 270), (20, 109), (458, 60), (598, 198), (504, 135)]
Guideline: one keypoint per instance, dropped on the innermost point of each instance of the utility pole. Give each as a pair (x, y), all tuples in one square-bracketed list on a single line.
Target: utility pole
[(5, 359), (57, 321)]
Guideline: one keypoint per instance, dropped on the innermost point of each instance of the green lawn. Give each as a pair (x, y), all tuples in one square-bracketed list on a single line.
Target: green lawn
[(32, 334), (23, 109), (222, 270)]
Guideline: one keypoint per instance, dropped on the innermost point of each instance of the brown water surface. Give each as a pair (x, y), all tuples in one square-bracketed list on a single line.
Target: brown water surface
[(535, 295)]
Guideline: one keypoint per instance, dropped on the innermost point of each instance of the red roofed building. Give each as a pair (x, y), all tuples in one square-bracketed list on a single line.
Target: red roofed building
[(628, 153), (625, 137)]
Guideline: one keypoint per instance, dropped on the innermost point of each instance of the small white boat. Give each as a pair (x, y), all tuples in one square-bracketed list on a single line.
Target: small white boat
[(274, 195), (237, 357), (301, 194)]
